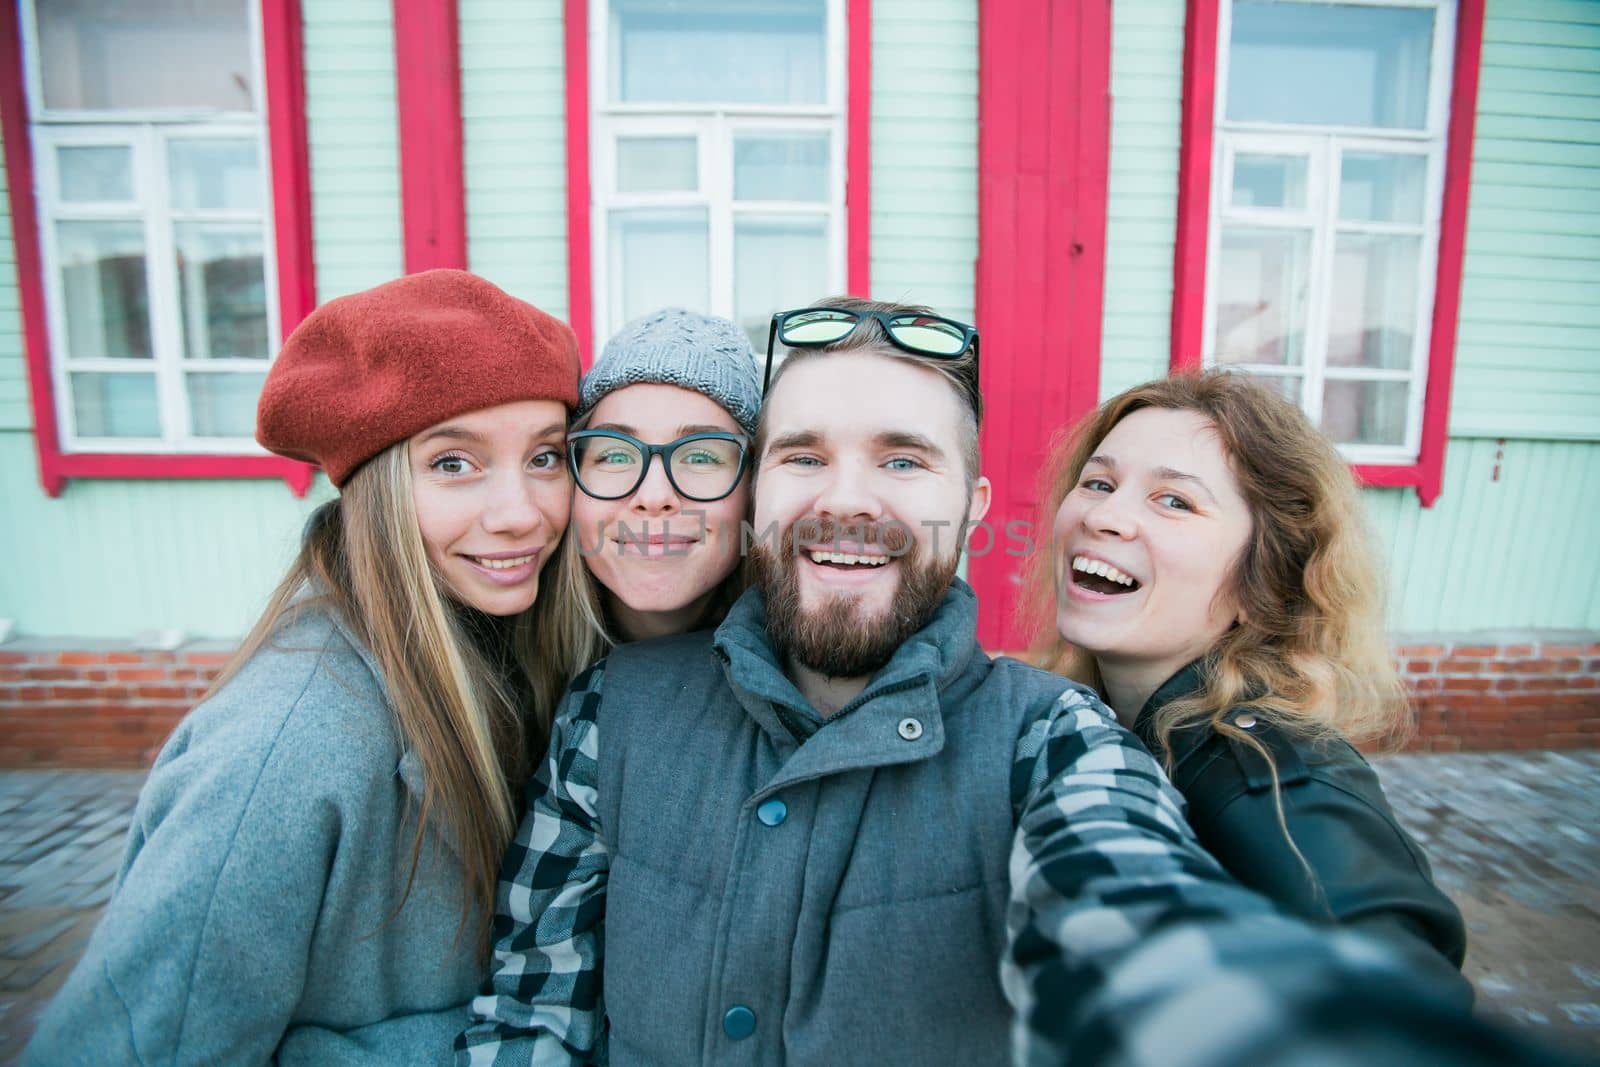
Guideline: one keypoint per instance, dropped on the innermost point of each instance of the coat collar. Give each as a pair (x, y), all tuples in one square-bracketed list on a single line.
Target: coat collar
[(1184, 741), (897, 718)]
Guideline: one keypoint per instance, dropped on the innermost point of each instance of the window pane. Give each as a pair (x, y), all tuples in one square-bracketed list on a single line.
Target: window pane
[(658, 259), (224, 405), (1269, 181), (1374, 306), (1365, 413), (222, 290), (115, 405), (1261, 296), (214, 175), (657, 165), (778, 263), (105, 302), (1376, 187), (728, 51), (1329, 64), (98, 174), (781, 167), (149, 54)]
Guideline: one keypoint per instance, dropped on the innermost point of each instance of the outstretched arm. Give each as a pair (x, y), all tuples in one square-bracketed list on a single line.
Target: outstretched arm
[(1102, 859), (1129, 945)]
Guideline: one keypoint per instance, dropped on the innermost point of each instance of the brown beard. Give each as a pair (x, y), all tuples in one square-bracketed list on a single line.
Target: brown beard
[(832, 639)]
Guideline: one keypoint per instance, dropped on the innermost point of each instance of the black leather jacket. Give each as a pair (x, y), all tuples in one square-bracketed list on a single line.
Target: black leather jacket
[(1369, 873)]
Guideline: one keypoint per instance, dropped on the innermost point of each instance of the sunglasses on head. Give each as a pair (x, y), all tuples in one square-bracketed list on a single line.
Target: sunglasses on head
[(923, 335)]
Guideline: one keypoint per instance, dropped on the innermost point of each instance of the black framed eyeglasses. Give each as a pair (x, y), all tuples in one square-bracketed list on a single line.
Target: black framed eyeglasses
[(924, 335), (610, 465)]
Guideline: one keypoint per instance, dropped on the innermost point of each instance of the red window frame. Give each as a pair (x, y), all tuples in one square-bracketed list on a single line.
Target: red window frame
[(858, 164), (1426, 475), (291, 197)]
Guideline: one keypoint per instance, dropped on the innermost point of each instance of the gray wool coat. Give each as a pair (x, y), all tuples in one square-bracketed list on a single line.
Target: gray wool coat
[(257, 914)]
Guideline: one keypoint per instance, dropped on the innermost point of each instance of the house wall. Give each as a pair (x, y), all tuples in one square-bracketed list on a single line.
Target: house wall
[(1528, 351), (1533, 383), (110, 559)]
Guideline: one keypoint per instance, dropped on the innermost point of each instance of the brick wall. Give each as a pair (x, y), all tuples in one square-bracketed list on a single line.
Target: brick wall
[(112, 706), (96, 707), (1475, 694)]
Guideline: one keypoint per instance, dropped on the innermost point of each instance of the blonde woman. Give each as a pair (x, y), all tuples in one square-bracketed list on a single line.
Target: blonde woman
[(1208, 573), (311, 870), (659, 455)]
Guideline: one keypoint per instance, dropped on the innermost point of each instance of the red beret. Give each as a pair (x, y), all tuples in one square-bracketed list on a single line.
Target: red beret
[(367, 370)]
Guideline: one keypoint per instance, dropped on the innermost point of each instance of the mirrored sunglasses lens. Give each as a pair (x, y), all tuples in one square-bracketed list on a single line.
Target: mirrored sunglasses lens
[(816, 327), (929, 335), (606, 466), (706, 469)]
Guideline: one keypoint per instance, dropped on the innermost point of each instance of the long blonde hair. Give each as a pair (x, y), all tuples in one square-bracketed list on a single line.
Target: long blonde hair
[(1310, 651), (363, 556)]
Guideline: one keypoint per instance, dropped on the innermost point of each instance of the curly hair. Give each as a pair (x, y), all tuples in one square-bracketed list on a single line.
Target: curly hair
[(1310, 651)]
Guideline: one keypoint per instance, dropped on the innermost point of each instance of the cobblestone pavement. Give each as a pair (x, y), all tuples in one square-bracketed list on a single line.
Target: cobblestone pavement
[(1512, 838)]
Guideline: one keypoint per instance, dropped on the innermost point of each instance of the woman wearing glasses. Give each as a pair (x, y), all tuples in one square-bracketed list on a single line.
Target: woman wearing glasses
[(1209, 575), (658, 457)]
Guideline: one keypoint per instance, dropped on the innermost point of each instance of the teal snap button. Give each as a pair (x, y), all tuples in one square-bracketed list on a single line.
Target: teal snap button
[(772, 812), (739, 1023)]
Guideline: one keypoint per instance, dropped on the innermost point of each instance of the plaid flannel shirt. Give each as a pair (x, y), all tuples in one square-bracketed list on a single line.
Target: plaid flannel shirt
[(1102, 860)]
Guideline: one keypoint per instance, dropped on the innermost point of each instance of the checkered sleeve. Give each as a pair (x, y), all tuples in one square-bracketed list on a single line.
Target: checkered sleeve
[(1102, 858), (542, 1002)]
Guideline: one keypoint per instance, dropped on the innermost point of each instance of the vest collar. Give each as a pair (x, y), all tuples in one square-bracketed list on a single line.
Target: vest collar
[(895, 719)]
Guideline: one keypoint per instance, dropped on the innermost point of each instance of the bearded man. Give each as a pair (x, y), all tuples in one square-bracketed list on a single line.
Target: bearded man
[(834, 830)]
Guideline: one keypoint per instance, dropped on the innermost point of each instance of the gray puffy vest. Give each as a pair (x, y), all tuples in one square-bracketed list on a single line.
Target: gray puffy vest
[(836, 899)]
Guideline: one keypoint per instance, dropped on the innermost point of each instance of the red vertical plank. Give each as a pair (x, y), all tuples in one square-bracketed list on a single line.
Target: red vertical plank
[(433, 198), (25, 238), (1194, 183), (1452, 250), (580, 265), (858, 150), (291, 160), (1092, 196), (1044, 137)]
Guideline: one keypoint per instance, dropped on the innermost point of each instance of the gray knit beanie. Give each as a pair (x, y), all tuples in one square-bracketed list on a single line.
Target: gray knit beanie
[(683, 348)]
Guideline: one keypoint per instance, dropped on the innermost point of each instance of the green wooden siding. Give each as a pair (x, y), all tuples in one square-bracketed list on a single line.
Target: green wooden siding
[(513, 104), (925, 152), (112, 558), (1453, 566), (1142, 208), (355, 147), (1528, 351)]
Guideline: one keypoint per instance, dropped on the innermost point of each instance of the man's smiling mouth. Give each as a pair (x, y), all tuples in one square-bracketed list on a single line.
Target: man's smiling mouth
[(846, 560)]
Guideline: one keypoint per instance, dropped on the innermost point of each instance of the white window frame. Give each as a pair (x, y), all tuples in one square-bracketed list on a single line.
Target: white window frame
[(714, 126), (1325, 146), (146, 132)]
